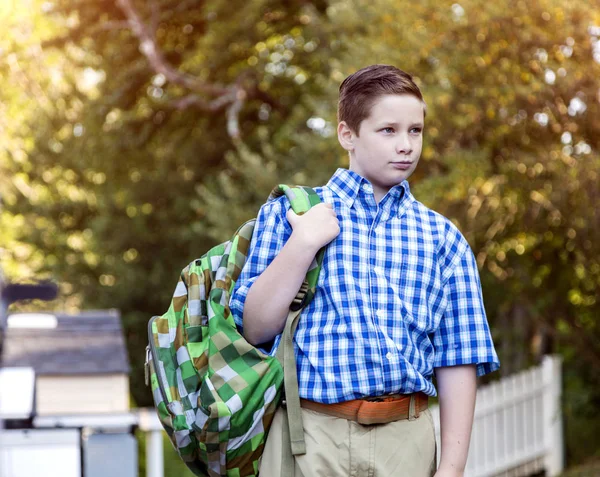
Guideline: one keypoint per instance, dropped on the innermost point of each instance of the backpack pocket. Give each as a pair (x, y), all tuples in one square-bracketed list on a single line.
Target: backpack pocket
[(167, 376)]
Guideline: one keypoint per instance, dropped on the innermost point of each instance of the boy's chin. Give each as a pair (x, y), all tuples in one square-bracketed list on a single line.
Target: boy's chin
[(403, 175)]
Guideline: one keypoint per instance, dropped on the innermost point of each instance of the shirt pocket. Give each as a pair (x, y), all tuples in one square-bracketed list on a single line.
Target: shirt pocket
[(415, 286)]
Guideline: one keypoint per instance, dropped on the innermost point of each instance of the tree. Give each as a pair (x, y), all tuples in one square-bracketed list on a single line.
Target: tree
[(512, 157), (113, 162)]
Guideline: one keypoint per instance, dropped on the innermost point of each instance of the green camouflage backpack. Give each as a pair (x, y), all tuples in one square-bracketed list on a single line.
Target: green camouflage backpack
[(215, 393)]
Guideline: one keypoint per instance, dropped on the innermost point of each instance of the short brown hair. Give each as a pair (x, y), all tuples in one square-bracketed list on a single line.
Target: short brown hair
[(359, 91)]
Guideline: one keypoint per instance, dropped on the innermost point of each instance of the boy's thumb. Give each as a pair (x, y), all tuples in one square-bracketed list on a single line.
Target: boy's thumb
[(291, 217)]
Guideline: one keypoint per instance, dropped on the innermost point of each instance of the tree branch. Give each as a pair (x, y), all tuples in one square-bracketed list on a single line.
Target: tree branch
[(155, 18), (150, 50), (114, 25), (233, 128), (191, 100), (233, 95)]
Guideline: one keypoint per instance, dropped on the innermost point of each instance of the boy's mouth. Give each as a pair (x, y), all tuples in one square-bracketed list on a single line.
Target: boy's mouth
[(402, 165)]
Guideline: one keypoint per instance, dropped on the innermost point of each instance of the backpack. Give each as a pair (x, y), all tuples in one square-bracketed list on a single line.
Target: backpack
[(216, 394)]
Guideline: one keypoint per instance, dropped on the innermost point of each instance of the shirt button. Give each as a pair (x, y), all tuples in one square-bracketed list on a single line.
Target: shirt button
[(389, 356), (380, 313), (367, 188), (377, 270)]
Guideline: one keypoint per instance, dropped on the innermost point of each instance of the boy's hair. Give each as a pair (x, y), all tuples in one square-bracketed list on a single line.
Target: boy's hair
[(359, 91)]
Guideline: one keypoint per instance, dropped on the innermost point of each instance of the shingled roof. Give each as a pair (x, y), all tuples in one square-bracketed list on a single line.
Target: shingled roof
[(87, 343)]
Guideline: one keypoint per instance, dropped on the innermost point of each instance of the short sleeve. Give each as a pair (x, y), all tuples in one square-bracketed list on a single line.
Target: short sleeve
[(463, 336), (271, 231)]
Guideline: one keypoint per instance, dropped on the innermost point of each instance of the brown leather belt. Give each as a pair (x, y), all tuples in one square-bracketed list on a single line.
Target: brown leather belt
[(379, 410)]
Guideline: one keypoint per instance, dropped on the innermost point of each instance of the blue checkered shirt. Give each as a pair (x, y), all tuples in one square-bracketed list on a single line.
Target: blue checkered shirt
[(398, 295)]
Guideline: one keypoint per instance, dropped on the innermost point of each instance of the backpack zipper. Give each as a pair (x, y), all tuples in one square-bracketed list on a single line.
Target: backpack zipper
[(147, 367)]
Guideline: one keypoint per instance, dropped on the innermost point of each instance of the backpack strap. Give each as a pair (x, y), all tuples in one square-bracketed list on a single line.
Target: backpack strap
[(302, 199)]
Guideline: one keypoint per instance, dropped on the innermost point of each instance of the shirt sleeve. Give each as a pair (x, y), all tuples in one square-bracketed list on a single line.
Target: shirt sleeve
[(463, 336), (271, 232)]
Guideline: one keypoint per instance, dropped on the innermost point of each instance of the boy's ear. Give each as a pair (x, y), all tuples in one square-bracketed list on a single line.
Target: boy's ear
[(345, 136)]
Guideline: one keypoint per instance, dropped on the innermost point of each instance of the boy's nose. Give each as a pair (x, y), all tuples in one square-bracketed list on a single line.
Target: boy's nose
[(403, 146)]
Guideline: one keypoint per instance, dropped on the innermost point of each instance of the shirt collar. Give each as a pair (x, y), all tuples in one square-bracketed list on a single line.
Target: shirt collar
[(346, 185)]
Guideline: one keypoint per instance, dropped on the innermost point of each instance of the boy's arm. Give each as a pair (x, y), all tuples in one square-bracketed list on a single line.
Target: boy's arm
[(457, 388), (269, 297), (463, 350)]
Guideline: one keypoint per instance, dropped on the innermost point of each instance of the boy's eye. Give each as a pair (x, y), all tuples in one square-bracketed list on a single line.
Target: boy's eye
[(416, 130), (388, 130)]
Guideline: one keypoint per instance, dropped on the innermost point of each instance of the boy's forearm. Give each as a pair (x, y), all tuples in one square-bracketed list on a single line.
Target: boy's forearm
[(269, 298), (457, 388)]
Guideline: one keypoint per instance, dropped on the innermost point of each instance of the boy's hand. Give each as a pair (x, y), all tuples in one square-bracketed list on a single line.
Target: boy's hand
[(315, 228)]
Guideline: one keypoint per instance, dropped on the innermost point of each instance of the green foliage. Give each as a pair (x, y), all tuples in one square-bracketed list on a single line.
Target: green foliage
[(109, 177), (512, 157)]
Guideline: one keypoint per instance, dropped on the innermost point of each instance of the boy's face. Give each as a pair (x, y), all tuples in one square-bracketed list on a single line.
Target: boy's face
[(388, 145)]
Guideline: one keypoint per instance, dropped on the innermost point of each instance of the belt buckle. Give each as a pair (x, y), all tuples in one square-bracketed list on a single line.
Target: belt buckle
[(373, 399), (364, 414)]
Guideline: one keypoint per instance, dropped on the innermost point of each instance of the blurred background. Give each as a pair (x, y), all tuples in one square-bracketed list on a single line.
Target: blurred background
[(135, 134)]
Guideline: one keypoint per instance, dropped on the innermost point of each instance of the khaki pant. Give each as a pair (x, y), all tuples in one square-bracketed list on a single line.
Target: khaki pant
[(339, 448)]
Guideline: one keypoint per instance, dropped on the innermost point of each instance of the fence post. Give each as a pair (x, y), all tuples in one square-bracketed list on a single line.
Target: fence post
[(149, 423), (553, 427), (154, 454)]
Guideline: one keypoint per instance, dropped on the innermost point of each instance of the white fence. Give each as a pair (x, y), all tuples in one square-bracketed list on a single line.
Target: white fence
[(517, 429), (148, 422)]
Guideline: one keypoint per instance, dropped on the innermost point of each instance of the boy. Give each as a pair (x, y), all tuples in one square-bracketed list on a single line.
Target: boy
[(398, 297)]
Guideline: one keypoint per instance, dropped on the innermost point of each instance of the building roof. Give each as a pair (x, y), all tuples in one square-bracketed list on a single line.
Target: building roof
[(90, 342)]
